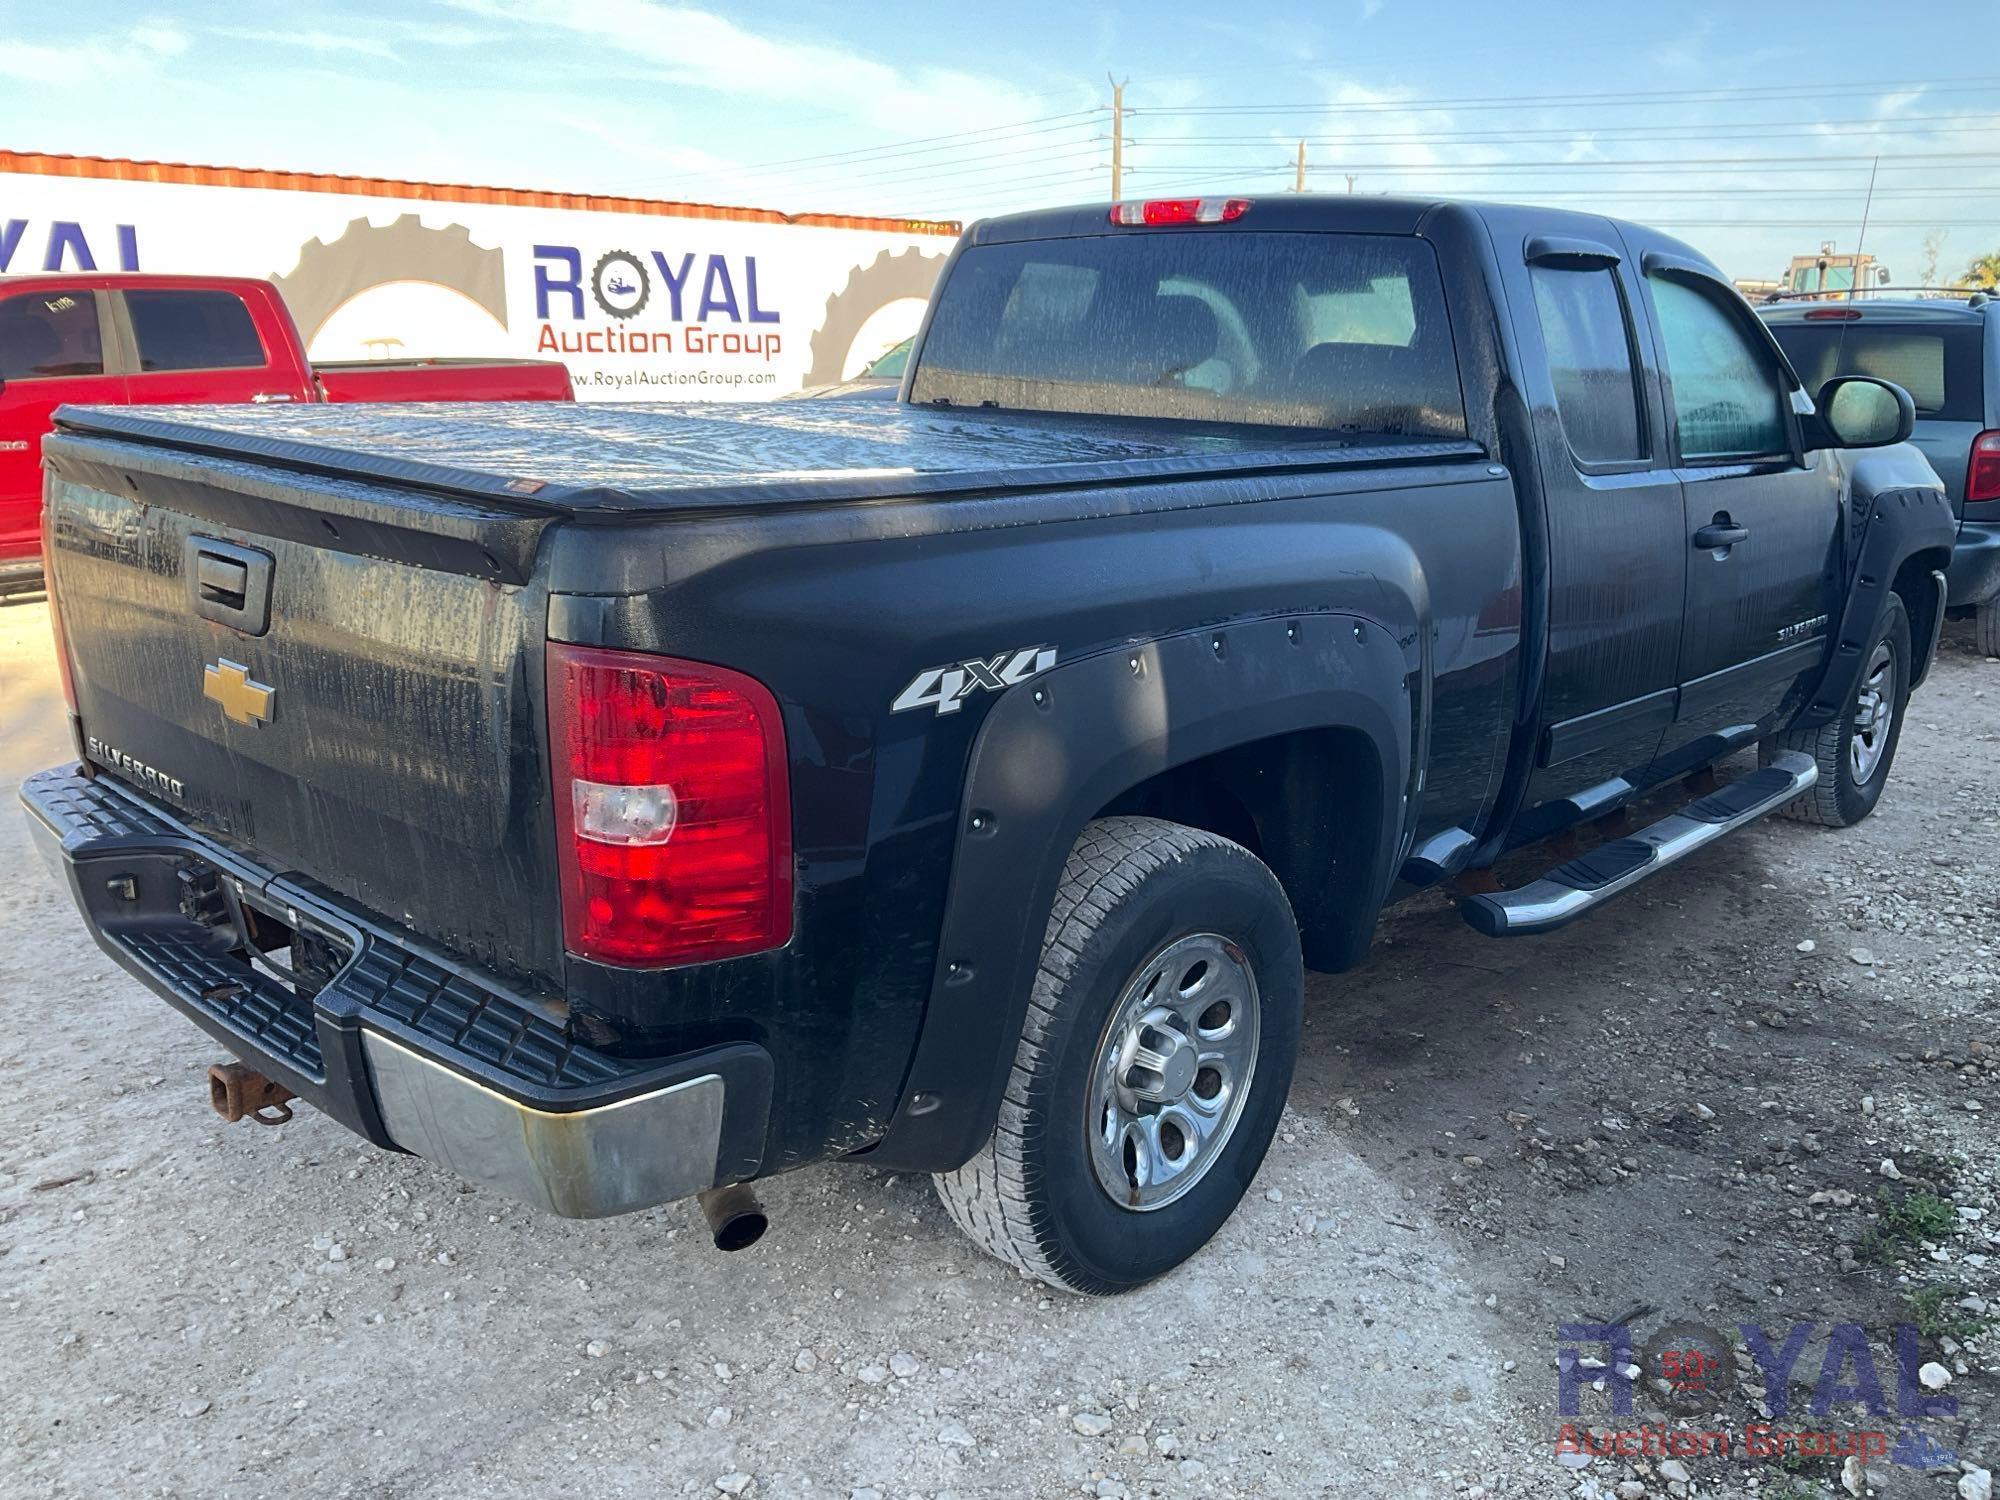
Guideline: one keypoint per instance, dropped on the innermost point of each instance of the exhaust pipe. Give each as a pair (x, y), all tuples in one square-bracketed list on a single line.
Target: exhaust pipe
[(236, 1092), (736, 1220)]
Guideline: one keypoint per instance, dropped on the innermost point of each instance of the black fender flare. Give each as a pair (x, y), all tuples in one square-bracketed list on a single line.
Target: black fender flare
[(1058, 748), (1897, 517)]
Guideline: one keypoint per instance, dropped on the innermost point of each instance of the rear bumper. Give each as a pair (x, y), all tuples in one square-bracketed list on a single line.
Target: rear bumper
[(21, 575), (403, 1046), (1974, 574)]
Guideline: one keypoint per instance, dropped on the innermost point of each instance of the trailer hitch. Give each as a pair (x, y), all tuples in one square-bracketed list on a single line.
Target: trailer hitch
[(237, 1093)]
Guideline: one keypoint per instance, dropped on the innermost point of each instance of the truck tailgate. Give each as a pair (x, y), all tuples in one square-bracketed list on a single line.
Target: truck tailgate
[(339, 678)]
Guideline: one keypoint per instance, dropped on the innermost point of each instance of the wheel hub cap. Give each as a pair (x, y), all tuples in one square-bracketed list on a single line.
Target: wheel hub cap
[(1160, 1061), (1173, 1070), (1874, 713)]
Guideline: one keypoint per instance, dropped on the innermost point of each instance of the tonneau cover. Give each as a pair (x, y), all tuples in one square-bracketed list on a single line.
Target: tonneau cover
[(569, 459)]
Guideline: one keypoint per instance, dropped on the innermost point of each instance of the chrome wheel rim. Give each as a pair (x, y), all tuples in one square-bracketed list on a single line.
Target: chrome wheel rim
[(1874, 713), (1173, 1070)]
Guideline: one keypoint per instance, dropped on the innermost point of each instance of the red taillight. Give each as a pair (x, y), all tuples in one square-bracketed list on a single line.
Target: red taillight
[(1982, 474), (1179, 211), (1836, 314), (673, 811), (55, 613)]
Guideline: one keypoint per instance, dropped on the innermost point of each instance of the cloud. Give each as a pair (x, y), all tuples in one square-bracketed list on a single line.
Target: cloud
[(696, 50), (322, 42), (139, 51), (1689, 51), (163, 41)]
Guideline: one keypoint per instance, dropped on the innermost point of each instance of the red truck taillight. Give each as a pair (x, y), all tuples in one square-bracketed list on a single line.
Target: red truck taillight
[(673, 809), (1982, 474)]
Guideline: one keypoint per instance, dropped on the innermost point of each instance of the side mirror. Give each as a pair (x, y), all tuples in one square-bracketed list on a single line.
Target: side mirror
[(1859, 411)]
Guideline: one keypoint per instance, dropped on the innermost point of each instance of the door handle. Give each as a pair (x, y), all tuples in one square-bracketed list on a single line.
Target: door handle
[(1720, 536)]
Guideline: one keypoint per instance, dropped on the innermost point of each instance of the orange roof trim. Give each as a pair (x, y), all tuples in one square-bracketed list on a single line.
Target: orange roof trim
[(118, 170)]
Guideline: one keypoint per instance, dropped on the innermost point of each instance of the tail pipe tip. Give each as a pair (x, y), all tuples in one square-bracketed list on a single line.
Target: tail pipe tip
[(736, 1220)]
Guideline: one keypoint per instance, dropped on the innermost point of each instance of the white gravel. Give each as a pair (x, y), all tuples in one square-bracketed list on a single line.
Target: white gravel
[(1375, 1321)]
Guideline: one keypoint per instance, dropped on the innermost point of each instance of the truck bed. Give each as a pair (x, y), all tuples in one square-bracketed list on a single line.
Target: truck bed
[(571, 460)]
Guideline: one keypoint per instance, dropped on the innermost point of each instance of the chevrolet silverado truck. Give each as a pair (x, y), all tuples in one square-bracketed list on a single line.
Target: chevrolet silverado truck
[(631, 803), (173, 340)]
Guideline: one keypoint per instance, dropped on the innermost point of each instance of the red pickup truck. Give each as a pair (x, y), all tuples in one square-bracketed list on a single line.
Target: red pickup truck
[(159, 340)]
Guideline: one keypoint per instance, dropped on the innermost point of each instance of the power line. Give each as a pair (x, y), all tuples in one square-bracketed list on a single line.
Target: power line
[(934, 171), (1622, 98), (1619, 163), (1900, 125), (917, 146)]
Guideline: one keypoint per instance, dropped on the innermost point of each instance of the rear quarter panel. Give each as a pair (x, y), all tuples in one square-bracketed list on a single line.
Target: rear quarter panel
[(1429, 555)]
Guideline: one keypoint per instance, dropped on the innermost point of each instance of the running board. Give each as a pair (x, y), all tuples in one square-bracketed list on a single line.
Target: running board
[(1611, 869)]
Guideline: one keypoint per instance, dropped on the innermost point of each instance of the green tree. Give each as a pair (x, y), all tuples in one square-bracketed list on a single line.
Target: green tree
[(1984, 270)]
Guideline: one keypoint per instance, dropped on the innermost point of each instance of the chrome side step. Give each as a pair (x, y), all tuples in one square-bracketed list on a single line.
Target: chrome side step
[(1590, 880)]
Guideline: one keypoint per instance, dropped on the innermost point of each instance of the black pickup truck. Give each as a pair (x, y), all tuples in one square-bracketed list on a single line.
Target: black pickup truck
[(619, 804)]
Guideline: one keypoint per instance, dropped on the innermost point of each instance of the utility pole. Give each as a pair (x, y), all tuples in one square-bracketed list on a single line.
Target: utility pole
[(1117, 136), (1299, 177), (1350, 182)]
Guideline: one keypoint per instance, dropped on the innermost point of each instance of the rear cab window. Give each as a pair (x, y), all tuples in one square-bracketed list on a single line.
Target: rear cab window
[(49, 335), (1938, 364), (1346, 332), (1589, 340), (193, 330)]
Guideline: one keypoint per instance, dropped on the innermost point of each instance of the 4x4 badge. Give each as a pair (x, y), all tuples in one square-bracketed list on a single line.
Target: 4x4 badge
[(946, 688), (244, 700)]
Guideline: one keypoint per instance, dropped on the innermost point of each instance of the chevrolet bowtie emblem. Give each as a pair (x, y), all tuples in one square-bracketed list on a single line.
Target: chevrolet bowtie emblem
[(244, 700)]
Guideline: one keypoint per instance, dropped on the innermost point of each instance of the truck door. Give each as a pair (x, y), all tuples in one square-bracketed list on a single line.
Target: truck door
[(201, 344), (1616, 556), (1763, 520), (51, 352)]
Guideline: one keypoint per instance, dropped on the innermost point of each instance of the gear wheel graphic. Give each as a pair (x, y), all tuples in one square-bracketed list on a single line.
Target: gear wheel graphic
[(332, 273), (1701, 1370), (890, 277), (620, 258)]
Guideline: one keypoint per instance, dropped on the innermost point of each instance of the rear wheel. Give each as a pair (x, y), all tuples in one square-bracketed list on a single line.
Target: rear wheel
[(1153, 1066), (1986, 628), (1856, 748)]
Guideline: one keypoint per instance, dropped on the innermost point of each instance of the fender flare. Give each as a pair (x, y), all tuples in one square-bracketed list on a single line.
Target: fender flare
[(1896, 525), (1059, 747)]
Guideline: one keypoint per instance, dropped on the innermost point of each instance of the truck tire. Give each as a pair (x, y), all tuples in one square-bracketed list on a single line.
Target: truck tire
[(1161, 1033), (1986, 628), (1856, 749)]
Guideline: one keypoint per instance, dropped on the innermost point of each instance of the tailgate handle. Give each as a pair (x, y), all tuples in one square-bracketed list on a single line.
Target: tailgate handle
[(231, 584), (221, 580)]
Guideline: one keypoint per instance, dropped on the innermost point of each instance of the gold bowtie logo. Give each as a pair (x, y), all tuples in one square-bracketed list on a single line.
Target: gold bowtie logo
[(244, 700)]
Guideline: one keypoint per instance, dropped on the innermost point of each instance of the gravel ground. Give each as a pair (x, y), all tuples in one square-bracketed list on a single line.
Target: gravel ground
[(1678, 1111)]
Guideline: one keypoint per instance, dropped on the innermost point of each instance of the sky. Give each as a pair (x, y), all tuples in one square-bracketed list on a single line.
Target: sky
[(1748, 134)]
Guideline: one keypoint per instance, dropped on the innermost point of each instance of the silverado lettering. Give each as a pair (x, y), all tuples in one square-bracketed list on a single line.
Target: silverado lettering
[(114, 759)]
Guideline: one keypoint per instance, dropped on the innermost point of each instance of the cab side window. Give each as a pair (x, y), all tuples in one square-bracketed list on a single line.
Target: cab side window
[(1727, 399), (193, 331), (48, 335), (1590, 360)]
